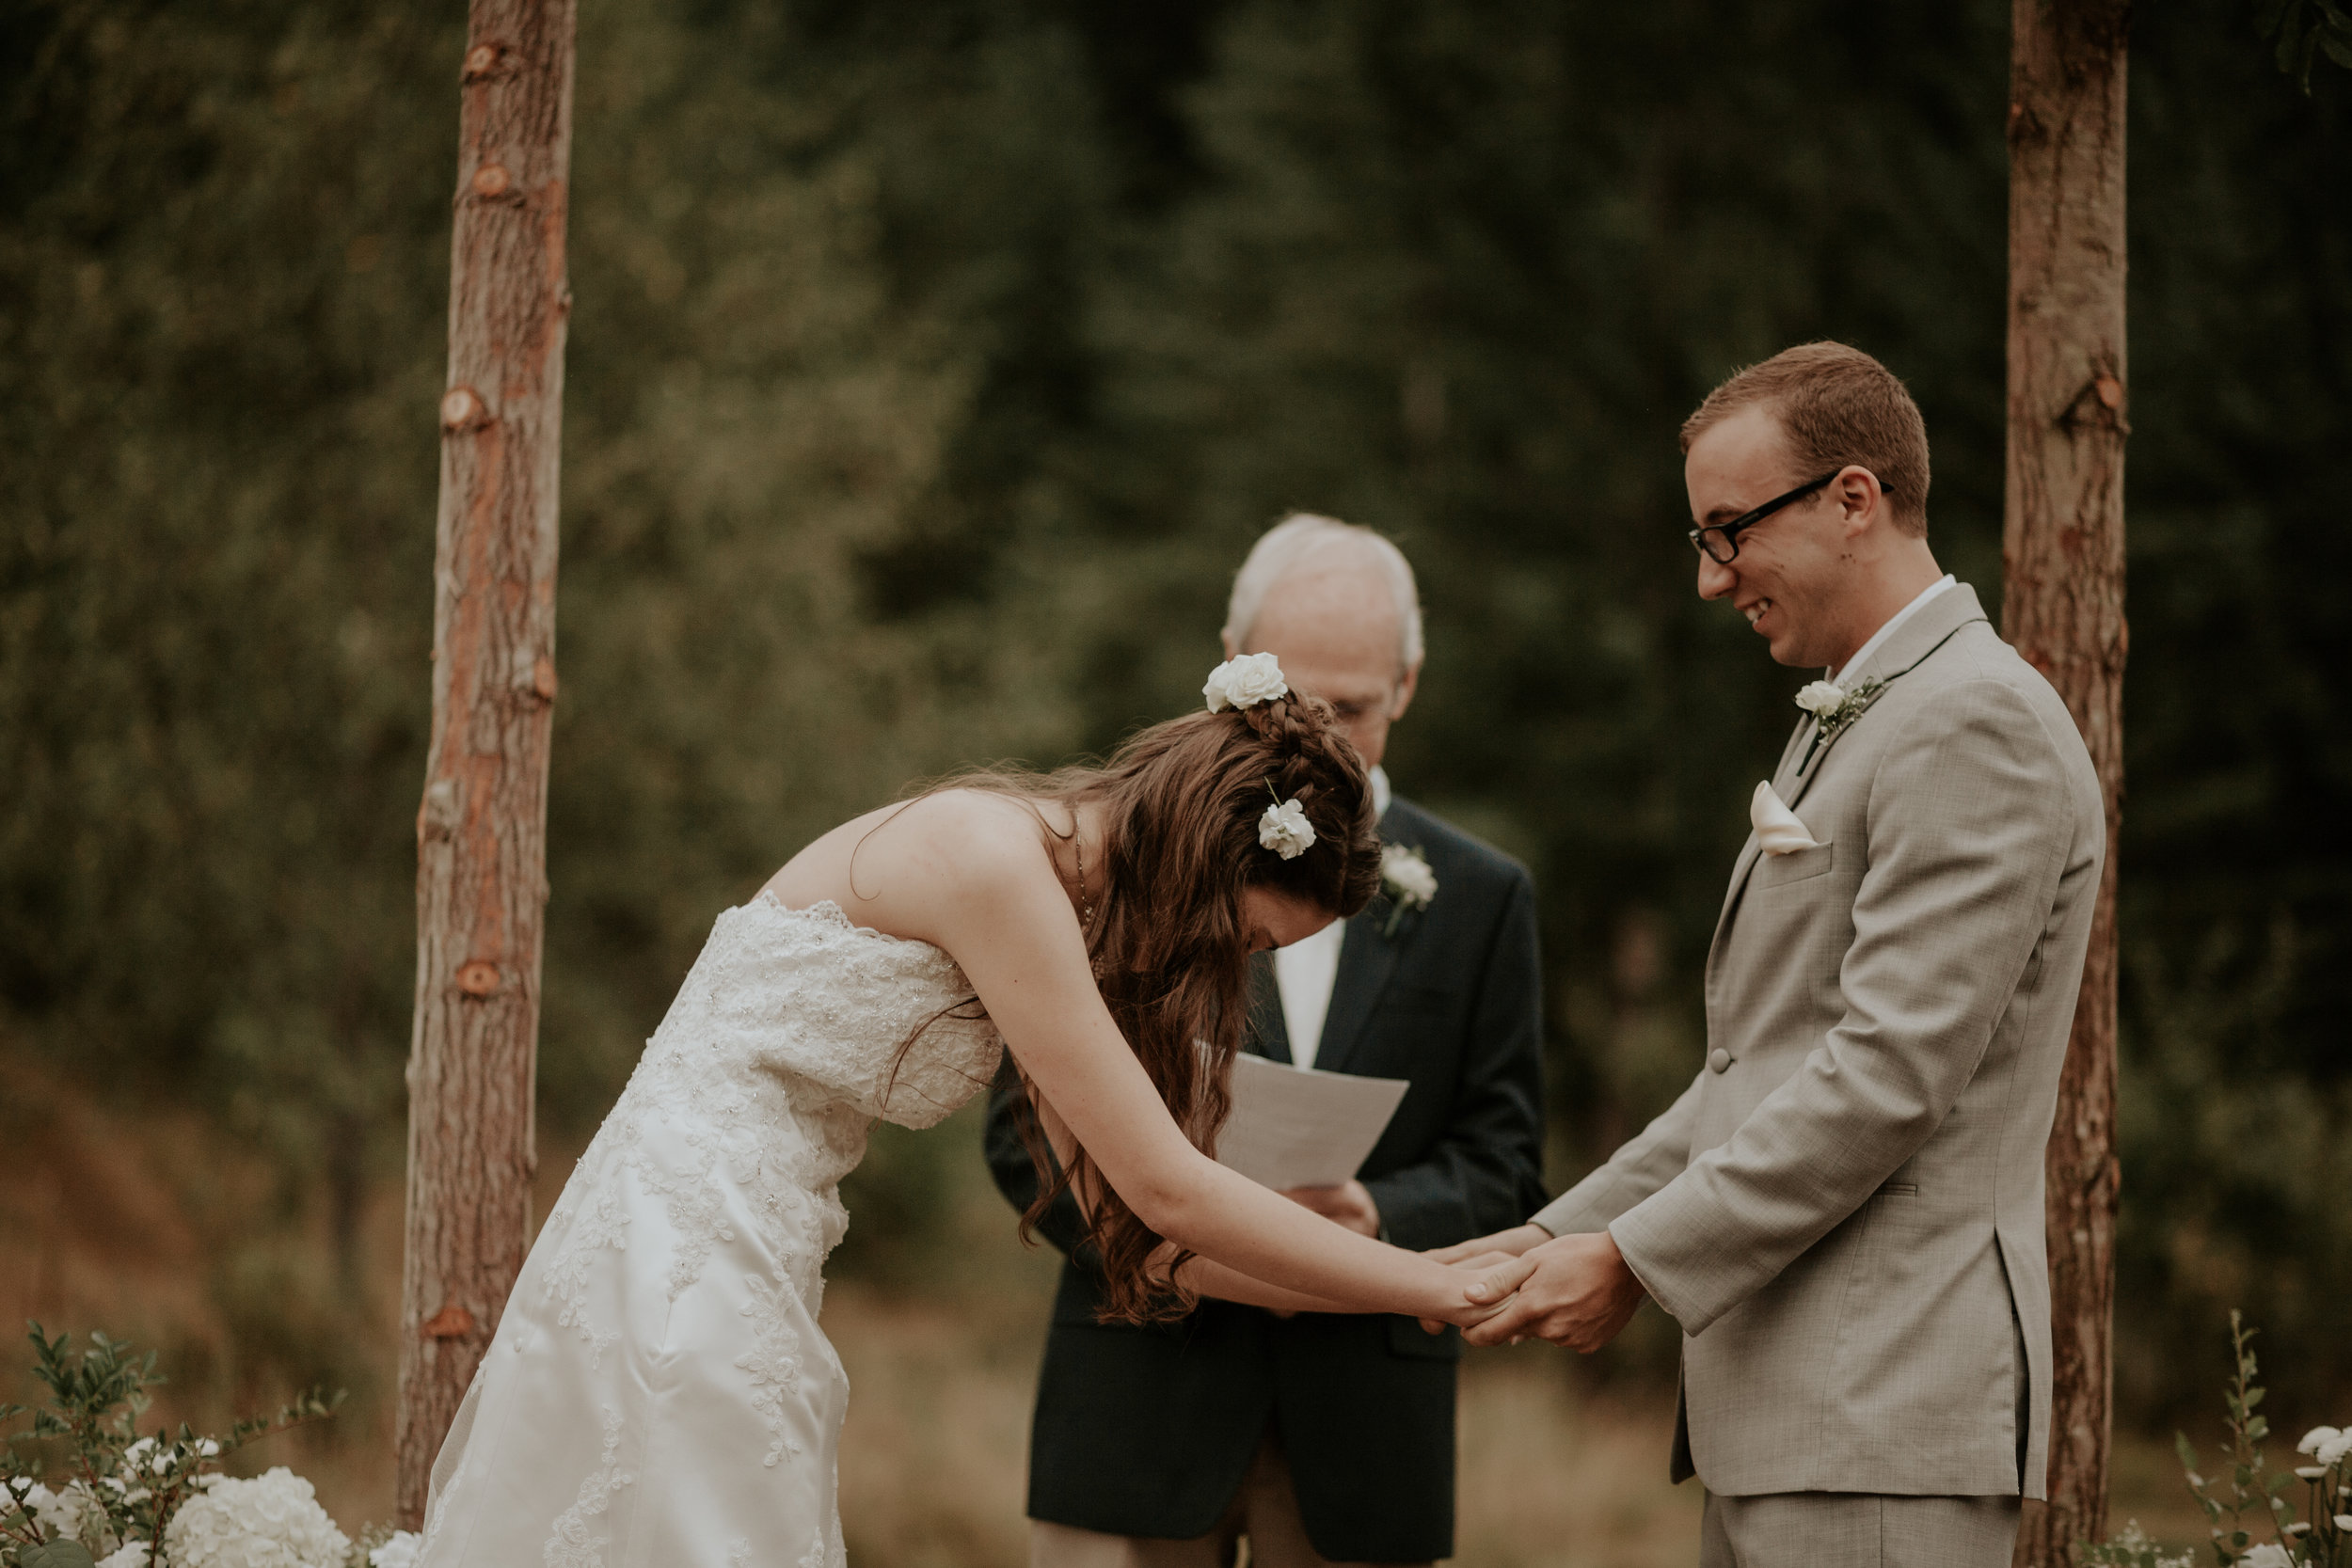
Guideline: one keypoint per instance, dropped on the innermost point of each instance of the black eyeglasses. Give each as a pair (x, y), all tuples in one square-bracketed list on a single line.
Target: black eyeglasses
[(1724, 547)]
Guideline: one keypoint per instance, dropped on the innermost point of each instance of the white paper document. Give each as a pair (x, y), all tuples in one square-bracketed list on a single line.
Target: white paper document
[(1295, 1127)]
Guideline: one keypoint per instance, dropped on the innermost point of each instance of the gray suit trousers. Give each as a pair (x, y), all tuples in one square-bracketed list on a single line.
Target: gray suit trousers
[(1857, 1530)]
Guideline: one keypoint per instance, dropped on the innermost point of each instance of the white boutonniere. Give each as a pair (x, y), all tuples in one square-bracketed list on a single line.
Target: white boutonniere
[(1833, 708), (1409, 881)]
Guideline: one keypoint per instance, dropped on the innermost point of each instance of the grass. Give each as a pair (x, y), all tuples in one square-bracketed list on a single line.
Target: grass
[(164, 1231)]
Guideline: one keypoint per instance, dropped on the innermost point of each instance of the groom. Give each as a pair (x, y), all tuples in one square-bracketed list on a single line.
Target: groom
[(1322, 1439), (1844, 1211)]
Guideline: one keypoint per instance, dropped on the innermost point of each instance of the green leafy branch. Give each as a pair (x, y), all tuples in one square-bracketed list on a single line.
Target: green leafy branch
[(2304, 30), (2247, 1487), (127, 1486)]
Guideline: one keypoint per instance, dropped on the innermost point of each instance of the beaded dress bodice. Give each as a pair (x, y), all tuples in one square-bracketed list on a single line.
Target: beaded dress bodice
[(794, 1031)]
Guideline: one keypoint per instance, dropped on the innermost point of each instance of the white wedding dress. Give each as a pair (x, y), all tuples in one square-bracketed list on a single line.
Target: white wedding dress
[(657, 1391)]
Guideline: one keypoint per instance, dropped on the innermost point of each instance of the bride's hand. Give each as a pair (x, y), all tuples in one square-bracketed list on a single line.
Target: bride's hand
[(1489, 1282), (1512, 1243)]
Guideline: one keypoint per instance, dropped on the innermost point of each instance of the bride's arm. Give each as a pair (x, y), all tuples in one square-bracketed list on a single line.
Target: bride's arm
[(957, 879)]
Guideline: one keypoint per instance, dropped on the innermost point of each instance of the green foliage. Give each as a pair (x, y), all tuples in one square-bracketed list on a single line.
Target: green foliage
[(2304, 30), (933, 363), (2247, 1500), (112, 1485), (2132, 1549)]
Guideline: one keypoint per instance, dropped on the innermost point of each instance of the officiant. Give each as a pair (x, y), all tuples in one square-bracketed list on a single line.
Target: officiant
[(1320, 1439)]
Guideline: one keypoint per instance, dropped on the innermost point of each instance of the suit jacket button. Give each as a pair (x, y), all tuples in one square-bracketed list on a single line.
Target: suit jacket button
[(1718, 1059)]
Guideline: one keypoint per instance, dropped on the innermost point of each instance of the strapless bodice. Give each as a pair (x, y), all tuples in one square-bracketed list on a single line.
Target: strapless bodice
[(839, 1016)]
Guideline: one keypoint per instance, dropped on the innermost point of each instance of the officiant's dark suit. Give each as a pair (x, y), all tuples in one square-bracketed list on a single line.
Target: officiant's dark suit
[(1148, 1431)]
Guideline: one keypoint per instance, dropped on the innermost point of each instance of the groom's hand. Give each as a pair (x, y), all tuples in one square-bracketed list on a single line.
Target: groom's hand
[(1580, 1295)]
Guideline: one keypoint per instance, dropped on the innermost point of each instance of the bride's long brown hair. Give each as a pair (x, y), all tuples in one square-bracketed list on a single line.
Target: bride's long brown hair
[(1180, 804)]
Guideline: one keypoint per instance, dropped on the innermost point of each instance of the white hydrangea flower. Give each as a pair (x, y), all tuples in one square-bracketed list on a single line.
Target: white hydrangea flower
[(1245, 681), (1820, 697), (131, 1554), (73, 1514), (399, 1552), (2343, 1523), (2328, 1446), (2268, 1555), (1285, 830), (272, 1521), (1405, 873)]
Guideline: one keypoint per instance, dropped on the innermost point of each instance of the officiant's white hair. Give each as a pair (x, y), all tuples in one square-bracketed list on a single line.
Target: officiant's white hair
[(1304, 538)]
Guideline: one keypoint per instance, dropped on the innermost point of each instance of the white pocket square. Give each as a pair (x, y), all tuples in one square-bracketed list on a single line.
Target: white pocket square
[(1776, 827)]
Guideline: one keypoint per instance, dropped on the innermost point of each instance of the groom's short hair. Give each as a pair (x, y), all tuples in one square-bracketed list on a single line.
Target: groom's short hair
[(1838, 405)]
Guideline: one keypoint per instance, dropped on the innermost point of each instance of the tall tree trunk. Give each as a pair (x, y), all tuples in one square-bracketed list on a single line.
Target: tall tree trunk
[(2063, 552), (481, 834)]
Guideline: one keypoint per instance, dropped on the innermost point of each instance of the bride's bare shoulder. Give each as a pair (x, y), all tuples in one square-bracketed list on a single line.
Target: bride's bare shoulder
[(985, 829), (974, 840)]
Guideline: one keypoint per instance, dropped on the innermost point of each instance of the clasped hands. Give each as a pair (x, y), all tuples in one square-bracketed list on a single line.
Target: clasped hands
[(1577, 1292), (1489, 1277)]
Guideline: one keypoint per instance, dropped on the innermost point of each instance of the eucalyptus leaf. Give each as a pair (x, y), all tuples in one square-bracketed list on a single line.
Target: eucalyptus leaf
[(56, 1554)]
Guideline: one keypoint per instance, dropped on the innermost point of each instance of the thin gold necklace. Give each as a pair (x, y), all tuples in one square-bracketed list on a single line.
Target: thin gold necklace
[(1078, 847)]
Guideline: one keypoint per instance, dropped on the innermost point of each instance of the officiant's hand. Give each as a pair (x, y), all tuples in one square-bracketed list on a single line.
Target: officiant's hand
[(1579, 1296), (1348, 1204)]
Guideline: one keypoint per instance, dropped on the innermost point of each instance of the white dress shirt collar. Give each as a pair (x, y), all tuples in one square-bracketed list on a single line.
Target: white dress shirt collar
[(1878, 638), (1306, 972)]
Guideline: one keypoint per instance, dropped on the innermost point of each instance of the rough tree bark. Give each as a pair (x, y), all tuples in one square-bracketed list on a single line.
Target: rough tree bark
[(481, 832), (2062, 553)]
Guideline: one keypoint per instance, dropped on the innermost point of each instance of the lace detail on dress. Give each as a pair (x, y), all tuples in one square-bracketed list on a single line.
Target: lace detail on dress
[(573, 1545), (773, 1363), (670, 1303), (604, 1224)]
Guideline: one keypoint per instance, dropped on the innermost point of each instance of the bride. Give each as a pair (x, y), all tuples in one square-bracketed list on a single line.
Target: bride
[(657, 1391)]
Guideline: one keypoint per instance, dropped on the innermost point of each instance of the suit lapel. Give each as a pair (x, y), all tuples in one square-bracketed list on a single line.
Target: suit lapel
[(1366, 958), (1749, 853), (1753, 851), (1784, 776), (1269, 1032), (1936, 621)]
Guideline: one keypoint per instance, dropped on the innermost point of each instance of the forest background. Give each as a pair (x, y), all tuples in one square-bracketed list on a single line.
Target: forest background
[(932, 364)]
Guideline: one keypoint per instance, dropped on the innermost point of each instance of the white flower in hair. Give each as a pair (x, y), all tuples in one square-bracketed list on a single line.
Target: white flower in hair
[(1245, 681), (1285, 830)]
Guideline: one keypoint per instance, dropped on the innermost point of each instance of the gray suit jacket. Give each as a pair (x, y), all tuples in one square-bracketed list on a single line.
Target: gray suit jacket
[(1844, 1210)]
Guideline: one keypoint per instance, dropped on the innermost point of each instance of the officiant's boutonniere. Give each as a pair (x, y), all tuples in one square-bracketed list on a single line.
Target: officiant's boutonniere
[(1406, 878)]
